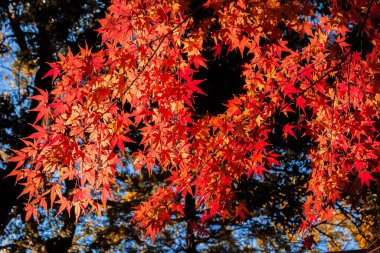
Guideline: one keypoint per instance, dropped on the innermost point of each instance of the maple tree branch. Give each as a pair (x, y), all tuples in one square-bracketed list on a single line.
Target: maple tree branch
[(354, 223), (327, 235), (188, 184), (312, 84), (154, 53), (215, 154), (163, 37)]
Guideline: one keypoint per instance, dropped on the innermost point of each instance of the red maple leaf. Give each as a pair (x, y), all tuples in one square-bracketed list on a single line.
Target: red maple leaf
[(288, 130), (54, 71), (365, 177)]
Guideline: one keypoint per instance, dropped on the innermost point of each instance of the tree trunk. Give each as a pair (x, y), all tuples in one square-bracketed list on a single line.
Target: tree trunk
[(190, 216), (9, 190)]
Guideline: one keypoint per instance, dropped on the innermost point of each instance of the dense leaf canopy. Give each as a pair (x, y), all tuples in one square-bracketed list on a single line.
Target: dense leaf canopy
[(295, 106)]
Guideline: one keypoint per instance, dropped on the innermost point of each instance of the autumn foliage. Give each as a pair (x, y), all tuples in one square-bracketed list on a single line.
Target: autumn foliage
[(140, 90)]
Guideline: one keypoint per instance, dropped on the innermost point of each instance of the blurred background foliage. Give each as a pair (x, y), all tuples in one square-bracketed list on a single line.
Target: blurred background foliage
[(33, 33)]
